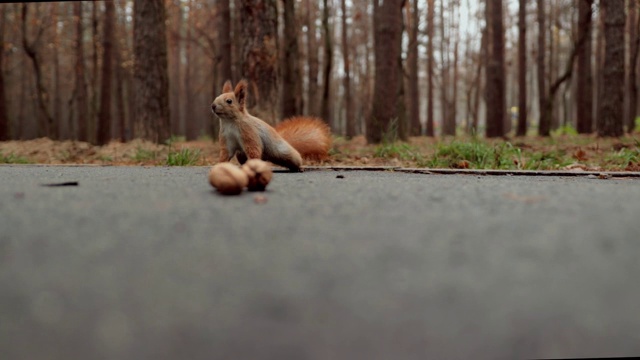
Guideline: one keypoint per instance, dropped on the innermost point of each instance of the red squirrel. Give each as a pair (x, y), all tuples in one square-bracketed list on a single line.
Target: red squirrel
[(247, 137)]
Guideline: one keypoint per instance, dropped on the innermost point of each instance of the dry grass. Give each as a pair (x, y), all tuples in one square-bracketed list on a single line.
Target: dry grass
[(559, 152)]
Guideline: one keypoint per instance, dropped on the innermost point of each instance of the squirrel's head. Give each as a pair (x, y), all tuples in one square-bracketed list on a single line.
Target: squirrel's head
[(231, 104)]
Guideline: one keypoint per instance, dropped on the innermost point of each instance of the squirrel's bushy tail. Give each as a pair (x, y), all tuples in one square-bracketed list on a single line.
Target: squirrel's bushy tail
[(310, 136)]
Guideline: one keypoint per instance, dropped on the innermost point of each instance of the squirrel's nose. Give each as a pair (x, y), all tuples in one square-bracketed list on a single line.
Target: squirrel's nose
[(213, 107)]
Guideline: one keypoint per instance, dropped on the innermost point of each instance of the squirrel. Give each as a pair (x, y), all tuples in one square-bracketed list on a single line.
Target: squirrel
[(248, 137)]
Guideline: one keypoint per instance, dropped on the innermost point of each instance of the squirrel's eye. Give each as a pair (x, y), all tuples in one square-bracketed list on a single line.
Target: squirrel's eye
[(229, 101)]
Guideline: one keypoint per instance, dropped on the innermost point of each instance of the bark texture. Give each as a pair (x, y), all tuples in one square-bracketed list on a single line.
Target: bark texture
[(4, 117), (46, 123), (388, 23), (259, 33), (151, 80), (291, 84), (81, 83), (496, 79), (104, 115), (584, 96), (327, 111), (312, 60), (350, 119), (632, 88), (415, 128), (224, 34), (610, 120), (544, 125), (430, 68), (522, 69)]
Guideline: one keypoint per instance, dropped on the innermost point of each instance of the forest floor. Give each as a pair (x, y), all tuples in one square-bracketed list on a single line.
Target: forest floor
[(561, 152)]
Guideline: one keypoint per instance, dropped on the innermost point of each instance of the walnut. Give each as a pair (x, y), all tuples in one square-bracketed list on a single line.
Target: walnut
[(228, 178), (259, 173)]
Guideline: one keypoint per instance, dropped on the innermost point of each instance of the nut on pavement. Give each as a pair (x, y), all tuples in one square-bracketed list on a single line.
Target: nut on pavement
[(228, 178), (259, 173)]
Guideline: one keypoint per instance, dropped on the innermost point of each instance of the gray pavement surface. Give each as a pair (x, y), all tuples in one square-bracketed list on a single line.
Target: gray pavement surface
[(151, 263)]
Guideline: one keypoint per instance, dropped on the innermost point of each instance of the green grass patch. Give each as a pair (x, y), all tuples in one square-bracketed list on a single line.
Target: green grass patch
[(565, 130), (473, 155), (402, 151), (143, 155), (546, 160), (505, 156), (183, 157), (13, 159), (623, 157), (175, 138)]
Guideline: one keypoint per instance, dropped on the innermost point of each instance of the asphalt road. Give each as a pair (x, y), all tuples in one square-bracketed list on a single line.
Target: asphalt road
[(151, 263)]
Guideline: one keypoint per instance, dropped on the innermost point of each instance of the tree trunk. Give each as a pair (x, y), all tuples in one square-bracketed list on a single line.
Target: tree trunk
[(366, 74), (291, 85), (45, 120), (175, 63), (632, 91), (414, 76), (56, 127), (544, 126), (599, 59), (4, 117), (474, 102), (401, 128), (496, 81), (548, 104), (430, 67), (444, 75), (224, 38), (610, 121), (104, 115), (327, 114), (95, 88), (312, 59), (189, 122), (453, 112), (584, 96), (24, 79), (259, 26), (213, 121), (350, 119), (120, 79), (81, 85), (388, 23), (552, 63), (151, 83), (237, 41), (522, 69)]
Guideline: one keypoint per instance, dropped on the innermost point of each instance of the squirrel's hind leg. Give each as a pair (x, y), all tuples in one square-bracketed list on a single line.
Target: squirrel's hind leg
[(292, 160), (291, 165)]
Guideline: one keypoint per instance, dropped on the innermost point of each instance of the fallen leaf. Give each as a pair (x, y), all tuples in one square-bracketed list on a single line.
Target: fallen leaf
[(632, 167), (580, 155), (576, 167)]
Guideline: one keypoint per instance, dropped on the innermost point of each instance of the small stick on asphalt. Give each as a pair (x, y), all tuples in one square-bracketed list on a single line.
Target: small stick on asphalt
[(68, 183)]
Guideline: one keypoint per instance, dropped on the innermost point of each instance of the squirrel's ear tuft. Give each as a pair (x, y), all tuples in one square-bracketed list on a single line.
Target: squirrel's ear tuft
[(227, 87), (241, 92)]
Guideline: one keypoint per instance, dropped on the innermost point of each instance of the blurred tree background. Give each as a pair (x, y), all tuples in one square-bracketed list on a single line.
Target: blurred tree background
[(118, 70)]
